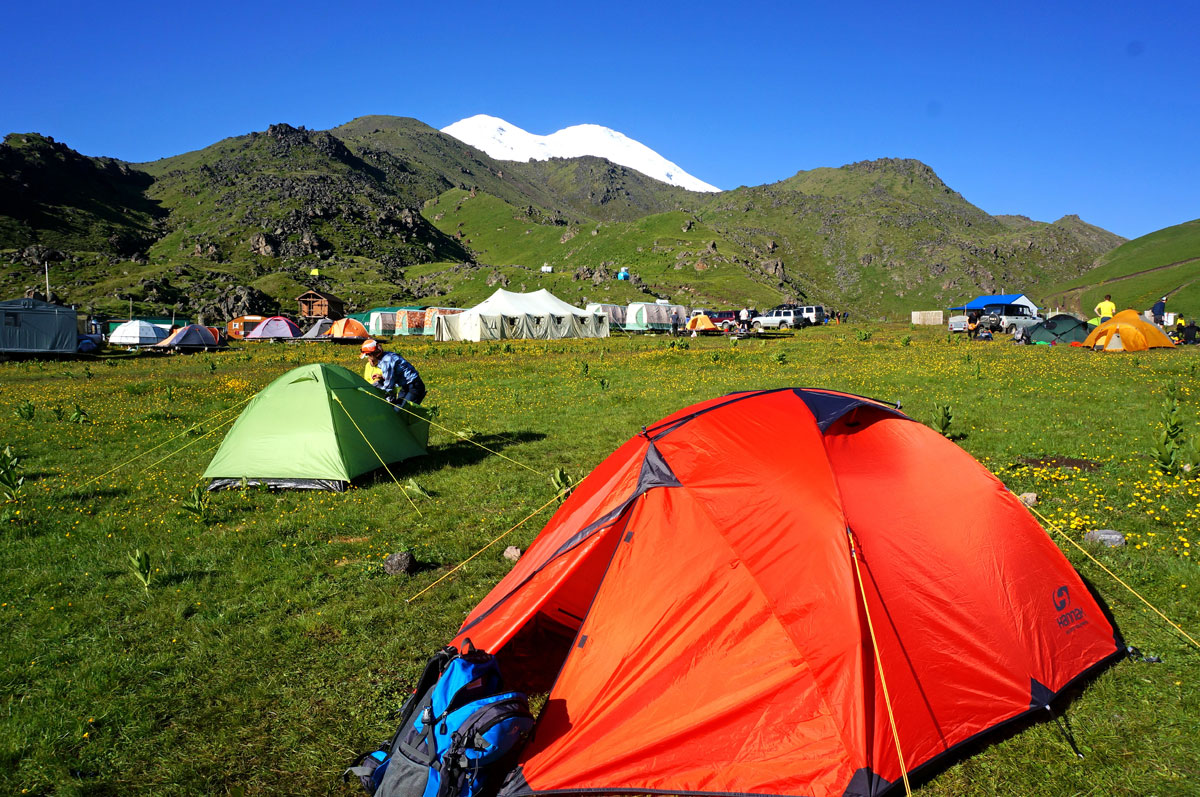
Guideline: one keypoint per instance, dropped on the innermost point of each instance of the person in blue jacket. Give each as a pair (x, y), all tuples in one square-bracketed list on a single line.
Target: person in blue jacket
[(397, 377)]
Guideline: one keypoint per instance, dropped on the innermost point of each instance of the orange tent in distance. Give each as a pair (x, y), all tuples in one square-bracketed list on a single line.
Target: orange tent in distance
[(1127, 331)]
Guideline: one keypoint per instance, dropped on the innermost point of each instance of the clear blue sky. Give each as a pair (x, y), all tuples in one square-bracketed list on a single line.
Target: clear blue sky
[(1040, 109)]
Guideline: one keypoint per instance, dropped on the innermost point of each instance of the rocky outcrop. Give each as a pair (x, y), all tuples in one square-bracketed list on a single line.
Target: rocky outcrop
[(235, 301)]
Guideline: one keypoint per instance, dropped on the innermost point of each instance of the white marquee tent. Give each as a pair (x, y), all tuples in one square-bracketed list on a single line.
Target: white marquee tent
[(535, 315)]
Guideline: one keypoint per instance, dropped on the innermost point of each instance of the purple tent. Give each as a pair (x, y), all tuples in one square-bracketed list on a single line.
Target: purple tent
[(274, 327)]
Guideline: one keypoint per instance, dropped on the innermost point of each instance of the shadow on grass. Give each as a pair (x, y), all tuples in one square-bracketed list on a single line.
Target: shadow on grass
[(82, 493), (456, 454), (184, 577)]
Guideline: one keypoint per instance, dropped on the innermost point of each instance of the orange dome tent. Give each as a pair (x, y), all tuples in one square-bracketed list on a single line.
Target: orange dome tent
[(349, 329), (1127, 331), (701, 323), (708, 610)]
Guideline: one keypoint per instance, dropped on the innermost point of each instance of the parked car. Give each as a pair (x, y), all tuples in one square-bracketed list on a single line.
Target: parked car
[(782, 319), (958, 323), (1007, 317)]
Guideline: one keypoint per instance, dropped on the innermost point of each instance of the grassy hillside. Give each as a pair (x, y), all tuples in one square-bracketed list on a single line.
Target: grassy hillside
[(53, 196), (390, 210), (1137, 273), (670, 255)]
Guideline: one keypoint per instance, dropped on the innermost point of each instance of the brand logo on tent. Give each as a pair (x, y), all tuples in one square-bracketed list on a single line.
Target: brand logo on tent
[(1070, 619)]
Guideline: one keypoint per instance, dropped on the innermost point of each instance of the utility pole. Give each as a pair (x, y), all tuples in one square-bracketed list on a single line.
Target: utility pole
[(47, 265)]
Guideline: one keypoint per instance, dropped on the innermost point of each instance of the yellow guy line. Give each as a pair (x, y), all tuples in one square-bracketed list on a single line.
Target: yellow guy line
[(459, 435), (463, 563), (887, 700), (163, 443), (1100, 564), (197, 440), (376, 453)]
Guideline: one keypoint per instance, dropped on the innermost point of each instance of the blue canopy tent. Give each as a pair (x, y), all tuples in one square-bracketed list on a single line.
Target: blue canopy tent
[(980, 302)]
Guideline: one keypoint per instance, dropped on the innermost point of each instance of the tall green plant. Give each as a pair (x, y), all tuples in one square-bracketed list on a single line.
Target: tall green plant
[(198, 503), (942, 418), (139, 563), (11, 480)]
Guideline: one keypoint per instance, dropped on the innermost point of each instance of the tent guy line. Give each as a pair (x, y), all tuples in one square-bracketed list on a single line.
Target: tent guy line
[(887, 697), (561, 493), (169, 439), (222, 424), (459, 435), (376, 453), (1050, 524)]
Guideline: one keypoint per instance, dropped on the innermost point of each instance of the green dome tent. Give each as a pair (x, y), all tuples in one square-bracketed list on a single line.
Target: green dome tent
[(1059, 330), (302, 431)]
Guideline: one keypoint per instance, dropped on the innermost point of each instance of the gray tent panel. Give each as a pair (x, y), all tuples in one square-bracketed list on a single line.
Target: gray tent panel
[(34, 327)]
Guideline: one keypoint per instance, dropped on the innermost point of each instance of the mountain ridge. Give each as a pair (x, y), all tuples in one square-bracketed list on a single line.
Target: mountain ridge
[(391, 210)]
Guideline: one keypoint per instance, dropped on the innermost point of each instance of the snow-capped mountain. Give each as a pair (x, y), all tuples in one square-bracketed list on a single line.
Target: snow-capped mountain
[(504, 141)]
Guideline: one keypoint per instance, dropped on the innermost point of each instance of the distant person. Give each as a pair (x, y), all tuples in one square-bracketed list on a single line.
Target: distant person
[(1105, 309), (674, 324), (1159, 310), (972, 324), (397, 377), (744, 319), (1188, 333)]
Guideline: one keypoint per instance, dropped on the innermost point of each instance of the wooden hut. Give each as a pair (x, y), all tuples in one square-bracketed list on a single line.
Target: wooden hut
[(314, 304)]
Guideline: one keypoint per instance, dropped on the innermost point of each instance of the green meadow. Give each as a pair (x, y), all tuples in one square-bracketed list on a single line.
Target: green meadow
[(268, 645)]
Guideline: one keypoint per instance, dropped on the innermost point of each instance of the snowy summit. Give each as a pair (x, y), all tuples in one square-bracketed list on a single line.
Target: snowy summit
[(504, 141)]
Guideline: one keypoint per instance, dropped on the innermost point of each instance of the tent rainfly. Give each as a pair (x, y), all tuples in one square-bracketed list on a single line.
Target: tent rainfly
[(318, 331), (536, 315), (688, 651), (347, 329), (137, 333), (1127, 331), (274, 327), (1060, 330), (31, 326), (190, 338), (302, 431)]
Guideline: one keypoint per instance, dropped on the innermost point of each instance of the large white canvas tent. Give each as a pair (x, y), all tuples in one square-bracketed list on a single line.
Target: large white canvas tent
[(137, 333), (535, 315)]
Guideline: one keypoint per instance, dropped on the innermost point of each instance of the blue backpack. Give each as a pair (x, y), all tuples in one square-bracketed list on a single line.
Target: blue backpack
[(459, 733)]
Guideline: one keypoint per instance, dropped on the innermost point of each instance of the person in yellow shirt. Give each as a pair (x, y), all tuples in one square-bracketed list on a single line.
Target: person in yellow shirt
[(1106, 309)]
